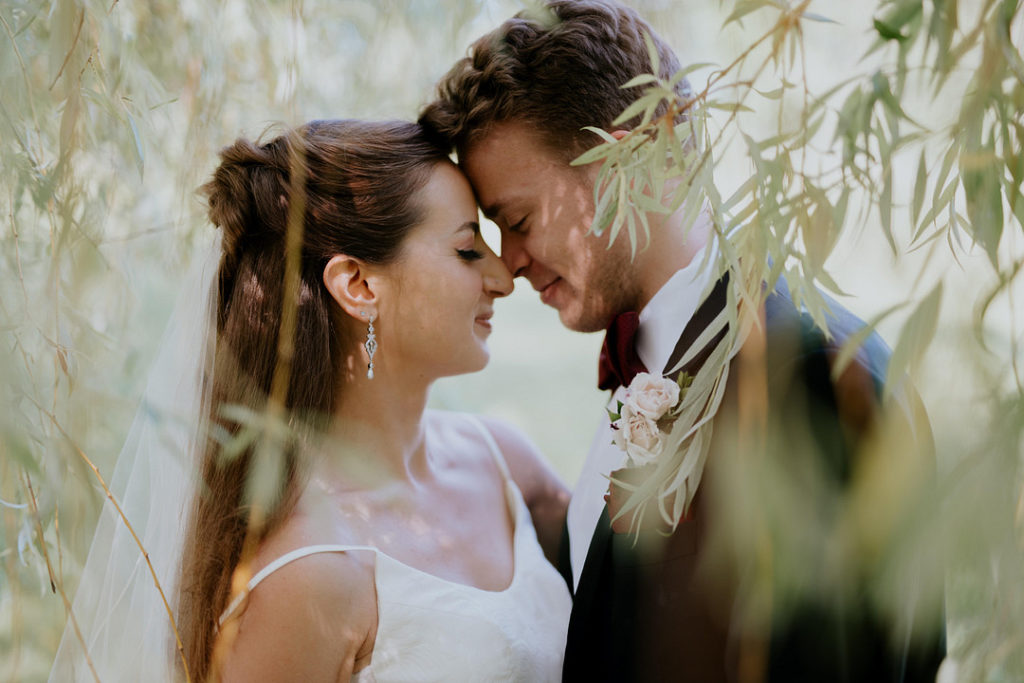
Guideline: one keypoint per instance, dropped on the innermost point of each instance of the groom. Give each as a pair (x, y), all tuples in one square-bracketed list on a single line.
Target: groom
[(702, 602)]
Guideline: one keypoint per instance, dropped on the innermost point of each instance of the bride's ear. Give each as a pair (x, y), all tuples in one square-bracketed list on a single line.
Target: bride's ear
[(351, 284)]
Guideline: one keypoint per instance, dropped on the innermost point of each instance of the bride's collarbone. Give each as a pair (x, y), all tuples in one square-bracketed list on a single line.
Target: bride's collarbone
[(457, 526)]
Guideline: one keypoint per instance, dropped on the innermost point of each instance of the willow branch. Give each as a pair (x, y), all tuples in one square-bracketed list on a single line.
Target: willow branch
[(124, 518), (58, 584)]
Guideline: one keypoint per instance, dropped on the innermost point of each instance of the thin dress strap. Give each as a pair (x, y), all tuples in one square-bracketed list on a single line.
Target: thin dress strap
[(287, 558), (492, 445)]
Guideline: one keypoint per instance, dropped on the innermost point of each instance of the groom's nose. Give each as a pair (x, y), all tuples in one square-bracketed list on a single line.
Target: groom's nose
[(514, 255)]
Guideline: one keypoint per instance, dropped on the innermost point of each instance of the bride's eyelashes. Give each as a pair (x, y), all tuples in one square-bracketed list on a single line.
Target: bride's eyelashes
[(469, 254)]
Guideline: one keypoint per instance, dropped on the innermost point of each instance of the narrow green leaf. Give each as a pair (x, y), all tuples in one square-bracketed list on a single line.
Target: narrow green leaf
[(745, 189), (140, 154), (771, 94), (830, 283), (938, 206), (743, 8), (947, 165), (606, 208), (983, 191), (853, 343), (916, 335), (652, 53), (885, 209), (642, 79), (605, 135), (679, 156), (920, 185), (634, 110), (818, 17), (687, 70), (591, 155), (19, 450), (729, 106)]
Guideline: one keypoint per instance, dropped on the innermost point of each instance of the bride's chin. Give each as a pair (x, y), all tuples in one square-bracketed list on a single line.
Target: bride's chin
[(478, 362)]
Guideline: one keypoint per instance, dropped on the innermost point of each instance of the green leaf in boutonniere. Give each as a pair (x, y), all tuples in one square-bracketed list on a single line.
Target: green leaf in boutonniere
[(684, 380), (615, 415)]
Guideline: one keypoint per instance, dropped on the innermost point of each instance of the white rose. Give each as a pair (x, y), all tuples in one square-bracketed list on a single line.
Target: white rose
[(638, 435), (651, 395)]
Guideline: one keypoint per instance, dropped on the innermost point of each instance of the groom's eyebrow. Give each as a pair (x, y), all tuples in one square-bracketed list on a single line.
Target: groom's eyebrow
[(501, 207), (491, 212)]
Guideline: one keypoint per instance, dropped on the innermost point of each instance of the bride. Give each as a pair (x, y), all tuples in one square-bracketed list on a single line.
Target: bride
[(375, 540)]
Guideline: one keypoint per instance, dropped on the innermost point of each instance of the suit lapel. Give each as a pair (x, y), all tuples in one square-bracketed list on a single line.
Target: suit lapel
[(702, 317), (601, 627)]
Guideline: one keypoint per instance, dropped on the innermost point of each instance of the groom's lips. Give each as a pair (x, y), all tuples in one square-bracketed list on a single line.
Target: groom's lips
[(547, 292)]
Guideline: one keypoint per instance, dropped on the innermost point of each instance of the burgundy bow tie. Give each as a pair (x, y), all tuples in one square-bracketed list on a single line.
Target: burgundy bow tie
[(619, 362)]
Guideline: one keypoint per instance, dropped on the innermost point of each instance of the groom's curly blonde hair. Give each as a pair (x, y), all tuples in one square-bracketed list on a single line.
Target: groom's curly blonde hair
[(558, 68)]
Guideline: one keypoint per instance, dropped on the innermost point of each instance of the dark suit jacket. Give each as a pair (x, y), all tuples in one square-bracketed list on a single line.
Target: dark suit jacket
[(708, 603)]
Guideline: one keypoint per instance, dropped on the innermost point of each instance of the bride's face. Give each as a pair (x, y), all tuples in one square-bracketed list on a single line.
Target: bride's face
[(436, 315)]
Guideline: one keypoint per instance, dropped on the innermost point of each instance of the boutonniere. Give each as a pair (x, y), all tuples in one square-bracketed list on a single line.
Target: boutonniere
[(641, 425)]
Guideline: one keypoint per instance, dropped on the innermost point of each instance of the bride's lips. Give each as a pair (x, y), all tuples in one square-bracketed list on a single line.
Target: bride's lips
[(547, 292), (484, 320)]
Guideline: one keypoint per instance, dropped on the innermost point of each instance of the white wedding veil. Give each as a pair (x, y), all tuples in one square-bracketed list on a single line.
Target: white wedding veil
[(124, 621)]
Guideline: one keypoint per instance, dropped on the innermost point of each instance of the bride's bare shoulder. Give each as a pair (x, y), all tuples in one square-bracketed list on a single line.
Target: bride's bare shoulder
[(312, 619)]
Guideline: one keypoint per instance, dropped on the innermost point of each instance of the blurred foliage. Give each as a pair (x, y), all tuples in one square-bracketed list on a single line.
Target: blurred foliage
[(111, 116), (831, 166), (112, 113)]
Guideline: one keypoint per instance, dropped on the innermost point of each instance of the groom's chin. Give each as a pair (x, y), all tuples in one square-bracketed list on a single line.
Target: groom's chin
[(579, 321)]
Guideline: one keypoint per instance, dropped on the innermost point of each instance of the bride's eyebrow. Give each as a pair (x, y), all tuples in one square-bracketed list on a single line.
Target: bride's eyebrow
[(469, 225)]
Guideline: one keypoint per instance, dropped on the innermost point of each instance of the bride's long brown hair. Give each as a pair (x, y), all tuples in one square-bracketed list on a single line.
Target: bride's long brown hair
[(357, 182)]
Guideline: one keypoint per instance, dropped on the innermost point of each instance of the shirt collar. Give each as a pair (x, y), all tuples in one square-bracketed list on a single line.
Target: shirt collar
[(668, 312)]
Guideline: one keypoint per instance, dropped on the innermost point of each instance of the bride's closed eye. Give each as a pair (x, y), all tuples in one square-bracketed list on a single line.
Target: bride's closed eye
[(469, 254)]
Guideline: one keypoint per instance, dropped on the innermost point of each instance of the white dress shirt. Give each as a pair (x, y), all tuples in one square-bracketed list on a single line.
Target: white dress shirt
[(662, 321)]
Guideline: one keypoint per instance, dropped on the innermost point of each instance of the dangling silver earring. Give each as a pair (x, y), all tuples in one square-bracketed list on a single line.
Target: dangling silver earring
[(370, 345)]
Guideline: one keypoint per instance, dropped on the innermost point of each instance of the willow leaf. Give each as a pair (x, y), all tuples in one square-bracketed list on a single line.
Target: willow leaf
[(830, 284), (644, 103), (885, 209), (642, 79), (775, 94), (743, 8), (729, 106), (853, 343), (591, 155), (140, 154), (983, 191), (818, 17), (605, 135), (652, 53), (687, 70), (920, 185), (937, 207), (916, 335)]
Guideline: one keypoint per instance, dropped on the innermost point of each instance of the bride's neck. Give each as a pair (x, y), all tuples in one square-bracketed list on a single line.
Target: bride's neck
[(379, 422)]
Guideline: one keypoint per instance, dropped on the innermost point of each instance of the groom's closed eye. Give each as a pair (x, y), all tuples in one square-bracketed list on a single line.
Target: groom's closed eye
[(518, 228)]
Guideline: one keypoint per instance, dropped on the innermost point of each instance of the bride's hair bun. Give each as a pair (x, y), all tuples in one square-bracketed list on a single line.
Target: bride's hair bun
[(247, 196)]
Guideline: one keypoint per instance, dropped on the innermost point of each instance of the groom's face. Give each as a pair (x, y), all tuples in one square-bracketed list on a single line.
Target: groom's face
[(544, 208)]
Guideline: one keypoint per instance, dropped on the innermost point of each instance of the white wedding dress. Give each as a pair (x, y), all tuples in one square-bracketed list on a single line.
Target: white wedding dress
[(431, 629)]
